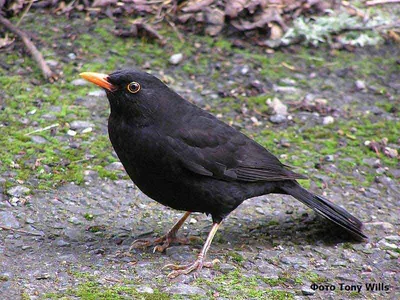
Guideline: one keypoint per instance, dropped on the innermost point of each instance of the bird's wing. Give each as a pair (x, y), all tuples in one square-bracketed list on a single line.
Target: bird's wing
[(209, 147)]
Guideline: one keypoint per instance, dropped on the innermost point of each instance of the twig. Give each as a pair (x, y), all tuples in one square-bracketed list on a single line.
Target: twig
[(178, 34), (43, 129), (20, 230), (27, 8), (37, 56), (378, 2)]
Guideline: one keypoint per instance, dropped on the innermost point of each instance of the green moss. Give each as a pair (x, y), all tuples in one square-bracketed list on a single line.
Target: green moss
[(235, 285), (314, 277), (236, 257)]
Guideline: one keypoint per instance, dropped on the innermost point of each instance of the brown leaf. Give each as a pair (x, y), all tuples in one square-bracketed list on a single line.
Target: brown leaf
[(269, 15), (234, 7), (103, 3), (215, 19), (5, 42), (195, 6)]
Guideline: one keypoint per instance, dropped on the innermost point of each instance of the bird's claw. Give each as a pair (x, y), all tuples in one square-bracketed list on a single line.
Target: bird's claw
[(197, 265), (164, 242)]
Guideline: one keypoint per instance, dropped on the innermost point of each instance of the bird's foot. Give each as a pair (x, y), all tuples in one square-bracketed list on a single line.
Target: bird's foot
[(197, 265), (161, 243)]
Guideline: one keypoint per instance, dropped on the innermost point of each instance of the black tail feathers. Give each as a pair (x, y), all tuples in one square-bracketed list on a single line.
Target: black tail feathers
[(325, 208)]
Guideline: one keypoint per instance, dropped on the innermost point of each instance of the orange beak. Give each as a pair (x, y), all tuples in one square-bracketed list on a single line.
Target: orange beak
[(99, 79)]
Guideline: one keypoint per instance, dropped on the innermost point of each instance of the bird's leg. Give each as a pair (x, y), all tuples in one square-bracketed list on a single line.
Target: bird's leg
[(165, 240), (199, 262)]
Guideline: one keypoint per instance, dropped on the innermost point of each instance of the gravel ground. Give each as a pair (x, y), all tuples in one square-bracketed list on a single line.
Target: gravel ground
[(55, 244)]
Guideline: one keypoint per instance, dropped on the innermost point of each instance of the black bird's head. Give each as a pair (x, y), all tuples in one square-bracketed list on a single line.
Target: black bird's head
[(133, 93)]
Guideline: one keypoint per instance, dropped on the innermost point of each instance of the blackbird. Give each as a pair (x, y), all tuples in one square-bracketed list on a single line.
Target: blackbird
[(185, 158)]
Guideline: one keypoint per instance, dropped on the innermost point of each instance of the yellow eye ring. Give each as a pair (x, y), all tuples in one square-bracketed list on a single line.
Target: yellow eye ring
[(133, 87)]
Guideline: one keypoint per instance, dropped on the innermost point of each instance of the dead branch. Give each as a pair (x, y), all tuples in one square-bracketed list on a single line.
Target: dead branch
[(37, 56), (379, 2)]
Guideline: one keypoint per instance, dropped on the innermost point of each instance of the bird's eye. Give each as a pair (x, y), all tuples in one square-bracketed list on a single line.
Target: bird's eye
[(133, 87)]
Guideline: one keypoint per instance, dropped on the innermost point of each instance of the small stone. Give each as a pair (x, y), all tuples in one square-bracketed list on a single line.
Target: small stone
[(87, 130), (37, 139), (277, 119), (185, 289), (386, 226), (176, 58), (193, 221), (8, 219), (393, 254), (79, 82), (74, 220), (255, 121), (387, 246), (97, 93), (329, 158), (90, 175), (71, 56), (244, 70), (328, 120), (395, 238), (115, 166), (62, 243), (392, 153), (145, 289), (277, 106), (285, 89), (71, 132), (306, 291), (52, 63), (18, 191), (372, 162), (288, 81), (360, 85), (80, 125)]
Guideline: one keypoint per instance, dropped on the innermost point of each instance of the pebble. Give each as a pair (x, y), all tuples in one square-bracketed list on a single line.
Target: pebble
[(288, 81), (87, 130), (360, 85), (386, 226), (37, 139), (62, 243), (80, 125), (79, 82), (115, 166), (387, 246), (71, 56), (244, 70), (176, 58), (306, 291), (97, 93), (52, 63), (329, 158), (185, 289), (395, 238), (277, 119), (145, 289), (18, 191), (372, 162), (390, 152), (328, 120), (277, 106), (71, 132), (8, 219), (285, 89)]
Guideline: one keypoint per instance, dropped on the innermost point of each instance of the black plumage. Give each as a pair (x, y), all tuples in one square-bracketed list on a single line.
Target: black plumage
[(187, 159)]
